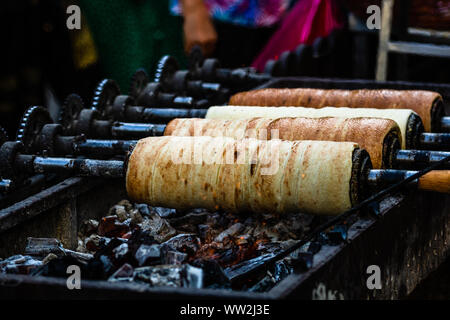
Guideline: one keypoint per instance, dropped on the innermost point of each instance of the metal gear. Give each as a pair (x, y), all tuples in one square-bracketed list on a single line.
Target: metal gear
[(195, 58), (138, 82), (167, 66), (104, 95), (70, 111), (30, 127)]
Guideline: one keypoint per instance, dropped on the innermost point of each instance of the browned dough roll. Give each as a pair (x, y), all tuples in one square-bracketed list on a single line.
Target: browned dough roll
[(243, 175), (420, 101), (372, 134)]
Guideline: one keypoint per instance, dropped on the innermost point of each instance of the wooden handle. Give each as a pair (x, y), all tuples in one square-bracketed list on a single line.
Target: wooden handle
[(437, 180)]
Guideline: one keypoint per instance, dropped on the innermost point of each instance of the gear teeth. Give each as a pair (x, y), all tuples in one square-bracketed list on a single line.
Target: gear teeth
[(106, 91), (71, 100), (167, 64), (138, 81), (33, 120), (196, 58)]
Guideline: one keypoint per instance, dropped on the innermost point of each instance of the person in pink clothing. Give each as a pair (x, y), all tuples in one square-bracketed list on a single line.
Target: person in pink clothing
[(233, 30)]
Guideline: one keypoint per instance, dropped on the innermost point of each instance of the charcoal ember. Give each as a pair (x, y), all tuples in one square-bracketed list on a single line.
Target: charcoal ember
[(41, 247), (123, 274), (158, 227), (94, 242), (174, 257), (88, 227), (19, 264), (187, 243), (170, 276), (230, 232), (211, 251), (110, 226), (148, 254), (213, 274)]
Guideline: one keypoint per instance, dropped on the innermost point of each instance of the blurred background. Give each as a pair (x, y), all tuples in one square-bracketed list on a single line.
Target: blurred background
[(42, 60)]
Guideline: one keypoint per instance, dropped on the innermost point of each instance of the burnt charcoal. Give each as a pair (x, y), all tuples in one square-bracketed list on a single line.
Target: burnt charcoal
[(127, 204), (123, 274), (148, 254), (158, 227), (189, 219), (50, 257), (165, 212), (143, 209), (120, 212), (139, 237), (121, 252), (58, 267), (280, 231), (187, 243), (192, 277), (41, 247), (20, 264), (110, 226), (78, 255), (174, 257), (136, 218), (217, 220), (88, 227), (170, 275), (204, 232), (93, 243), (159, 275), (213, 274), (107, 247), (231, 231)]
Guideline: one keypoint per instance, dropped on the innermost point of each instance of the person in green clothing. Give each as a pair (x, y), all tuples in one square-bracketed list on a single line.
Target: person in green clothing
[(132, 34)]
